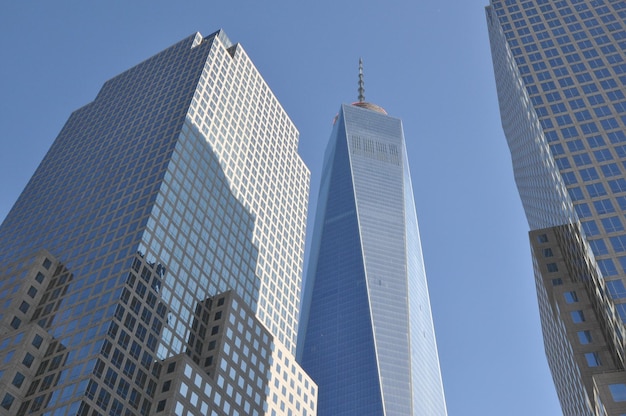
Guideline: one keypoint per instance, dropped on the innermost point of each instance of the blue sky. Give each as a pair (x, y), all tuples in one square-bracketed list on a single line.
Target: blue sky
[(427, 63)]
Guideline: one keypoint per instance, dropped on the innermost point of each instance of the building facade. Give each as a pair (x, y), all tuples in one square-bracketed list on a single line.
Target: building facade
[(560, 69), (367, 336), (152, 265)]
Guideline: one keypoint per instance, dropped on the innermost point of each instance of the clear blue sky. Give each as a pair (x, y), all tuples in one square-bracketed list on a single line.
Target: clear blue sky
[(426, 62)]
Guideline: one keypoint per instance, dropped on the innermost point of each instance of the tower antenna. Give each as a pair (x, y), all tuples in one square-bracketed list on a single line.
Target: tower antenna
[(361, 86)]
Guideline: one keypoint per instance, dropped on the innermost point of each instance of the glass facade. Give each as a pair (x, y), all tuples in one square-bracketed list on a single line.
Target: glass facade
[(560, 69), (151, 236), (367, 334)]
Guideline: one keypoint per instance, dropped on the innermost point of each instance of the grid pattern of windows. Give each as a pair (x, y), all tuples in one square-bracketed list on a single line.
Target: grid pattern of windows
[(228, 372), (153, 200), (571, 56), (560, 69), (255, 158)]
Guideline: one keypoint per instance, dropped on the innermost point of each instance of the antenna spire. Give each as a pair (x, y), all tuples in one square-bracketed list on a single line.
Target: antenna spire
[(361, 86)]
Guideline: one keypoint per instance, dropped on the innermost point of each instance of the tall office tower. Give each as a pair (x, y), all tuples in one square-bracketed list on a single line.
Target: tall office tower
[(152, 264), (560, 69), (367, 335)]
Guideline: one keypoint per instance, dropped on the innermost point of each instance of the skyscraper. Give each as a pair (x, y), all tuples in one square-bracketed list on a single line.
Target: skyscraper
[(560, 69), (152, 265), (367, 335)]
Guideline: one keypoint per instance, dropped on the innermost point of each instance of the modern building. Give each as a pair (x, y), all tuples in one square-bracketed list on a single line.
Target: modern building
[(367, 335), (152, 265), (560, 69)]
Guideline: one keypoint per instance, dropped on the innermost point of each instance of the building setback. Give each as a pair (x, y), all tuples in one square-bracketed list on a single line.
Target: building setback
[(560, 69), (152, 265), (367, 335)]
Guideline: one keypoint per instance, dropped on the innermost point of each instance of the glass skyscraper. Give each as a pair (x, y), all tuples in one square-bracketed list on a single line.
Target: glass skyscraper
[(367, 336), (560, 69), (152, 265)]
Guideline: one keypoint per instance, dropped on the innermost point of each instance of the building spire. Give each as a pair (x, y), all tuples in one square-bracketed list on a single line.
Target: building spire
[(361, 86), (361, 102)]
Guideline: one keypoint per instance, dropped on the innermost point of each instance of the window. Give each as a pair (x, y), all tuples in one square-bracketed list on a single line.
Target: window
[(577, 103), (582, 159), (612, 224), (584, 337), (607, 267), (612, 169), (603, 155), (616, 289), (156, 368), (590, 228), (610, 123), (593, 99), (593, 359), (558, 108), (542, 238), (28, 360), (15, 322), (170, 368), (134, 398), (135, 349), (562, 163), (563, 120), (24, 307), (18, 380), (604, 206), (569, 178), (575, 193), (552, 267), (595, 141), (161, 406), (589, 174), (110, 378), (589, 128), (577, 316), (571, 297), (618, 392), (103, 399), (32, 292), (598, 247), (117, 358), (7, 401), (618, 243), (116, 408), (596, 189), (583, 115), (122, 388), (166, 386), (618, 137), (618, 185), (151, 388)]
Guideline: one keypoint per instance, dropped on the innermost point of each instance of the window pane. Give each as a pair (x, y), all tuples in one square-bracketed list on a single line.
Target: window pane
[(584, 337), (593, 359), (618, 391)]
